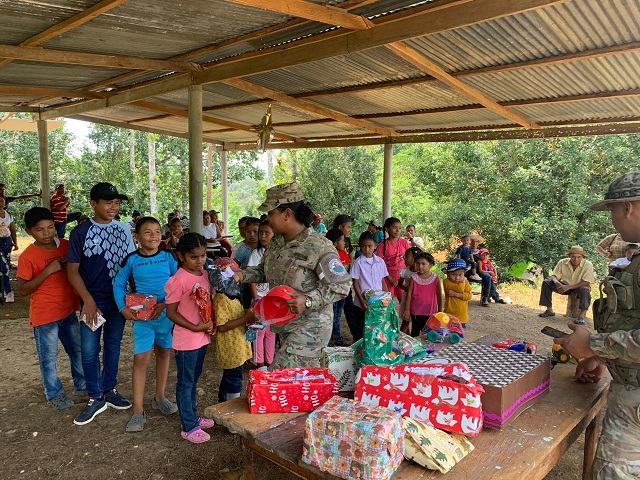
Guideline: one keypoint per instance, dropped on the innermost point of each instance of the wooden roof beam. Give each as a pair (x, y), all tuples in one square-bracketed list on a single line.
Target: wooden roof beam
[(410, 55), (67, 25), (209, 119), (95, 60), (57, 92), (7, 117), (424, 22), (310, 107), (311, 11)]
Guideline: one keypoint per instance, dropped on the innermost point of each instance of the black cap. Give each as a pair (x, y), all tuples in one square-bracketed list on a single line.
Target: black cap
[(35, 214), (136, 213), (105, 191)]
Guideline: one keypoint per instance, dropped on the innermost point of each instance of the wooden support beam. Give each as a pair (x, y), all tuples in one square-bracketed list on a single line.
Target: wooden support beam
[(195, 159), (7, 117), (208, 118), (424, 22), (310, 107), (43, 149), (68, 24), (387, 177), (58, 92), (410, 55), (311, 11), (37, 54), (19, 108)]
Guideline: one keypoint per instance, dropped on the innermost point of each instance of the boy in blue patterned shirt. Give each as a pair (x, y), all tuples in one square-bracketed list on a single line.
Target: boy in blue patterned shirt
[(96, 250)]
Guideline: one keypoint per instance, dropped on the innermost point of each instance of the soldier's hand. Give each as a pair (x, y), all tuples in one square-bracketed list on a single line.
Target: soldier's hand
[(589, 370), (577, 344), (297, 303)]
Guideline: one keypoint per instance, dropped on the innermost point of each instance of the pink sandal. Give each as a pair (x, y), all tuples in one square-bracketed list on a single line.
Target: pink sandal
[(196, 436), (205, 422)]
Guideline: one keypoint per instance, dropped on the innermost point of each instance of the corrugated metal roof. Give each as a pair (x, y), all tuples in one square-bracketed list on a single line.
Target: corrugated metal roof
[(371, 82)]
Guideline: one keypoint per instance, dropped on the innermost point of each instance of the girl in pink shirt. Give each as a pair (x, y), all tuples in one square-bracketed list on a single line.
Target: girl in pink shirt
[(423, 297), (191, 336), (392, 251)]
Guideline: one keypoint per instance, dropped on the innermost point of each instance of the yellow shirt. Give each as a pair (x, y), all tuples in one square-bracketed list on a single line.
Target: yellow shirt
[(232, 347), (458, 307), (567, 275)]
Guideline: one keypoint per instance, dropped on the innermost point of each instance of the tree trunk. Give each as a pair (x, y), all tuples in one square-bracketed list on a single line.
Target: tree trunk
[(270, 167), (294, 165), (153, 190), (132, 163), (209, 174)]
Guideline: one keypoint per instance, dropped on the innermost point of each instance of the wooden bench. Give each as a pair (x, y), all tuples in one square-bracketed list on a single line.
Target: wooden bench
[(527, 448)]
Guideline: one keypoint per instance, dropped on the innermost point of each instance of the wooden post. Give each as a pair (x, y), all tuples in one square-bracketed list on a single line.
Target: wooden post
[(195, 159), (45, 182), (387, 175), (225, 189), (209, 174)]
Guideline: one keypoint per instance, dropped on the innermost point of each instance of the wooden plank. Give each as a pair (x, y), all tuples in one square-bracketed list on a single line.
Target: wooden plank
[(68, 24), (310, 107), (38, 54), (423, 23), (40, 91), (310, 11), (7, 117), (18, 108), (410, 55), (235, 415)]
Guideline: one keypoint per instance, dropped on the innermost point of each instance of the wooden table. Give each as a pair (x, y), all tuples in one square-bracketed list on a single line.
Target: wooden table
[(527, 448)]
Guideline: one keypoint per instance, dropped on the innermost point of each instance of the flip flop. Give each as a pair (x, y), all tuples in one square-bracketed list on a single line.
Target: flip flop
[(205, 422), (196, 436), (546, 314)]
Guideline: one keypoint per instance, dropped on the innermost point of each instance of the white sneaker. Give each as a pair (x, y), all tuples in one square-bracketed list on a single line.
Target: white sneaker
[(475, 277), (9, 298)]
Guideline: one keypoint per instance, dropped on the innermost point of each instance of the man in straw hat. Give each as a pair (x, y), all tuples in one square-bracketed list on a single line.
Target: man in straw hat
[(571, 276), (308, 263), (617, 343)]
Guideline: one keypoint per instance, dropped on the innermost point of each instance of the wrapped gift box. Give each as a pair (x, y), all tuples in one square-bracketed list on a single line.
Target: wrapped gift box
[(512, 381), (342, 363), (353, 440), (444, 396), (143, 304), (290, 390)]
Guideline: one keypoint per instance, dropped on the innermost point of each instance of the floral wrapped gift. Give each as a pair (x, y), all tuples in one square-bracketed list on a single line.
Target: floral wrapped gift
[(353, 440)]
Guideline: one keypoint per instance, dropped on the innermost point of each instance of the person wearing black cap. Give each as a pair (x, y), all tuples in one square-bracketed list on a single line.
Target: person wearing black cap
[(53, 305), (96, 250)]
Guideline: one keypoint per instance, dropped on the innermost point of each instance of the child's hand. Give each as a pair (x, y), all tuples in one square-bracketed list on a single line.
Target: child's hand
[(15, 246), (129, 314), (157, 310), (453, 293), (202, 327), (223, 328), (238, 276), (91, 311), (406, 316), (53, 267)]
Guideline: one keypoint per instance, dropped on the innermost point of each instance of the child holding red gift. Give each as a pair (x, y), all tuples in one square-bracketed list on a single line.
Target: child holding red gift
[(147, 270), (190, 334)]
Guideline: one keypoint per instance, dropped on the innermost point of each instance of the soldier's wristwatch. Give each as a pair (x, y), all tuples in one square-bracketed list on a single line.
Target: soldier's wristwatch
[(307, 302)]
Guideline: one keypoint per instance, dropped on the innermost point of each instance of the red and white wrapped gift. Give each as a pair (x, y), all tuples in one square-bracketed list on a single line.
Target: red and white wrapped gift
[(290, 390), (142, 303), (445, 396)]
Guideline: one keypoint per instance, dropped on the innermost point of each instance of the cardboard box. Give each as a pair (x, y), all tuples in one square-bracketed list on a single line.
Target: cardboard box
[(512, 381), (443, 396), (353, 440), (143, 304), (290, 390)]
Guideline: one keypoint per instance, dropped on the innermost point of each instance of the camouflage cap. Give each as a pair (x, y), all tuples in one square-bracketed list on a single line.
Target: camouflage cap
[(281, 195), (623, 189)]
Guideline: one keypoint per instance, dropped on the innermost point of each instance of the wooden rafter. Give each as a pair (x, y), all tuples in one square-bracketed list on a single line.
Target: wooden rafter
[(310, 107), (7, 117), (95, 60), (68, 24), (422, 23), (310, 11), (410, 55), (58, 92), (177, 112)]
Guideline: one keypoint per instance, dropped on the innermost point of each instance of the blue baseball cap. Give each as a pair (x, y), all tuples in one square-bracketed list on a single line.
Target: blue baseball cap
[(456, 264)]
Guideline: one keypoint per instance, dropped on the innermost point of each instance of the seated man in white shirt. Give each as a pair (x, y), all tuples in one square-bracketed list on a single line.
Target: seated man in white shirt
[(621, 263)]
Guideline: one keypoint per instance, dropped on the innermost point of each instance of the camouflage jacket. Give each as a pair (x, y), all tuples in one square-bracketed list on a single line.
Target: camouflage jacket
[(308, 263)]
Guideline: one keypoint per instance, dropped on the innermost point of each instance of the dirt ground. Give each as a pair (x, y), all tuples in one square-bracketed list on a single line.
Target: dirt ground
[(37, 442)]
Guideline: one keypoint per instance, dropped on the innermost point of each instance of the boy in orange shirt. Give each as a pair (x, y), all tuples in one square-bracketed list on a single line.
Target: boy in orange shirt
[(457, 291), (52, 310)]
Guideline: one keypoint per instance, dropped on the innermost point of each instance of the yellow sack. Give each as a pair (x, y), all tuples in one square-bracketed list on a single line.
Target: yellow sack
[(233, 349), (433, 448)]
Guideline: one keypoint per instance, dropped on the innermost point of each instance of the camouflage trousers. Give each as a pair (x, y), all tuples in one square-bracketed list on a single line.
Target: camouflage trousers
[(618, 455), (301, 343)]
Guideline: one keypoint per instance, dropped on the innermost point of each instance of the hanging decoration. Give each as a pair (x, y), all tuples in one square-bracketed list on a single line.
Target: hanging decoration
[(265, 130)]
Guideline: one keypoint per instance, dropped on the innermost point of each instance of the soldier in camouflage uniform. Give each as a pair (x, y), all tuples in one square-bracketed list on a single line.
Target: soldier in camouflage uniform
[(307, 262), (617, 343)]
